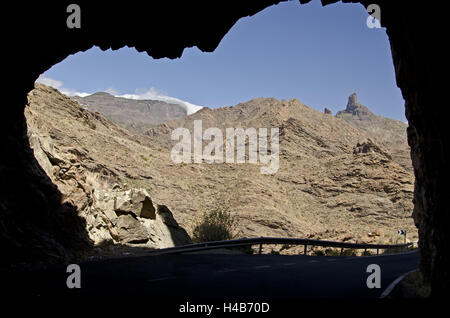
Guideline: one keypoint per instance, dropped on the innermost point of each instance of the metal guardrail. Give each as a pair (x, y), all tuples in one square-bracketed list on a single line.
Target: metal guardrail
[(278, 240)]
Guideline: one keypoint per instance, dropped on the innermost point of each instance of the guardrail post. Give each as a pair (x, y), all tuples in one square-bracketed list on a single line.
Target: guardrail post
[(304, 252), (378, 250), (365, 252), (260, 248)]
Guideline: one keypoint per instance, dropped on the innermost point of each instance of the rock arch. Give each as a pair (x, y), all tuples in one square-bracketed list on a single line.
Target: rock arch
[(38, 38)]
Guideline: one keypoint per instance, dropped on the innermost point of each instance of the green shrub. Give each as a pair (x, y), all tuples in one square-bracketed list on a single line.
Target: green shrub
[(319, 253), (332, 252), (349, 252), (367, 253), (247, 249), (394, 250), (215, 225)]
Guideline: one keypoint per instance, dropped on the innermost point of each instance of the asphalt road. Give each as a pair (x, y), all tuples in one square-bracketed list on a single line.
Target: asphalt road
[(220, 277)]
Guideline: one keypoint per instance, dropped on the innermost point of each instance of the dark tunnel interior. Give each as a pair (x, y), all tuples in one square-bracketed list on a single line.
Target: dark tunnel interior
[(34, 224)]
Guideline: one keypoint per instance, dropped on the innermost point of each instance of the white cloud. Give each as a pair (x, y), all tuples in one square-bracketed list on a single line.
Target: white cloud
[(112, 91), (152, 94), (49, 82), (59, 86), (74, 93)]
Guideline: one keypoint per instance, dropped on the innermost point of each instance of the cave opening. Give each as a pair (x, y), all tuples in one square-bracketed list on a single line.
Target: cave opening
[(417, 69), (345, 177)]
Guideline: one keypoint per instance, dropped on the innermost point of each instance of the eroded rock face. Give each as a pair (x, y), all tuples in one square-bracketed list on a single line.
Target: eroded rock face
[(112, 213), (128, 229), (389, 133), (369, 146), (135, 201), (158, 229), (331, 176), (357, 109), (136, 220)]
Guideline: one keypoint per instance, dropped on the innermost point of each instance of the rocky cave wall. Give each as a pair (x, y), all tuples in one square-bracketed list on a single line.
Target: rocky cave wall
[(37, 38)]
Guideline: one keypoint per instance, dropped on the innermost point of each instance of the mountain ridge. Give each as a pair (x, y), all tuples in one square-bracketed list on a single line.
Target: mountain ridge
[(334, 181), (134, 115)]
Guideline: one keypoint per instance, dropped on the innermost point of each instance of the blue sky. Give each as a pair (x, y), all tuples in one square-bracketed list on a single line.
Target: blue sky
[(319, 55)]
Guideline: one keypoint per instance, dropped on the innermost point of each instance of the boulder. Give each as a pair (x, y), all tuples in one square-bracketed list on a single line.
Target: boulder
[(167, 216), (136, 202), (131, 217), (369, 146), (164, 231), (127, 229)]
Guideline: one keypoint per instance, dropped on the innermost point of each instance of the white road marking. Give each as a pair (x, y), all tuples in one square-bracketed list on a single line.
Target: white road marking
[(289, 264), (391, 286), (159, 279), (262, 266), (331, 260), (226, 270), (313, 261)]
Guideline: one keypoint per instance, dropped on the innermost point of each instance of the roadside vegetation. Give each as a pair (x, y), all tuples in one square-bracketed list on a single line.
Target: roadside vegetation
[(216, 224)]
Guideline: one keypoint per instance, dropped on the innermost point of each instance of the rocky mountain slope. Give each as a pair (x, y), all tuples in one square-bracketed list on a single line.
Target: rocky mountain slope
[(70, 144), (134, 115), (334, 182), (386, 131)]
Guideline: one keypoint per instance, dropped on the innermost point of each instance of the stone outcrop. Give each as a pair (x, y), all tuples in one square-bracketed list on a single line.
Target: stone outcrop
[(136, 202), (369, 146), (113, 213), (131, 217), (357, 109), (327, 111), (128, 229), (387, 132)]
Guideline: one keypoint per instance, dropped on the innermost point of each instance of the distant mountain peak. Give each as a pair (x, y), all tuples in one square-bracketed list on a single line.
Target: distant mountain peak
[(136, 115), (388, 132), (101, 94), (356, 109), (352, 102)]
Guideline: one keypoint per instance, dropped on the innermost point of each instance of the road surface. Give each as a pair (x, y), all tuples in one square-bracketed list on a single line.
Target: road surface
[(218, 277)]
